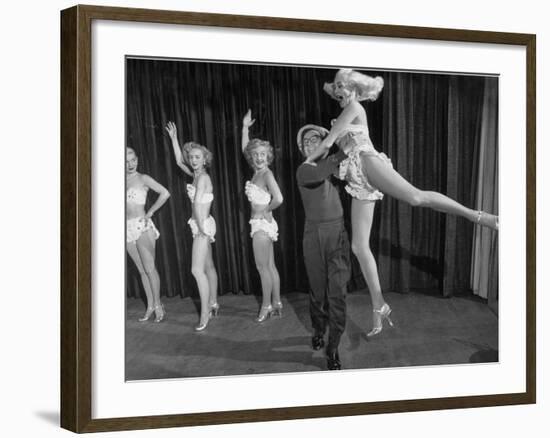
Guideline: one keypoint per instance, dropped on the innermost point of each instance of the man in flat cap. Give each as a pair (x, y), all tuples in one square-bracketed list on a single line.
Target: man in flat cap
[(325, 244)]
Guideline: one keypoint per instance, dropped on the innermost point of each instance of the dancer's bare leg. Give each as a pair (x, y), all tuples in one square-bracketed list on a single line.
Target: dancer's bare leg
[(134, 255), (261, 244), (276, 281), (198, 269), (146, 248), (212, 276), (362, 213), (388, 181), (361, 223)]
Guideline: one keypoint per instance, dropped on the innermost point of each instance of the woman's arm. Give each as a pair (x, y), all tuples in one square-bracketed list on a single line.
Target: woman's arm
[(311, 175), (248, 121), (173, 133), (348, 115), (164, 194), (276, 195), (198, 213)]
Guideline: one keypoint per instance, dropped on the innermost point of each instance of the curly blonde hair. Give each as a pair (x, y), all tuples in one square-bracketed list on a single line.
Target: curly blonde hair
[(254, 144), (190, 145), (366, 87)]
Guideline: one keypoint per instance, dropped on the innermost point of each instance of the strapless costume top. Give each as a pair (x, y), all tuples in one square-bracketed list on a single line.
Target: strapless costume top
[(256, 195), (136, 195), (205, 198)]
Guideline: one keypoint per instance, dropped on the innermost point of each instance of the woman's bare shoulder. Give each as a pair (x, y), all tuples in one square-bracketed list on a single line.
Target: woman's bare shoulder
[(204, 179)]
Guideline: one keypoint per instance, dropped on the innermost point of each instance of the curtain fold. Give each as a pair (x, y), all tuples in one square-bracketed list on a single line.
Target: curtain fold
[(484, 264), (464, 121), (429, 125)]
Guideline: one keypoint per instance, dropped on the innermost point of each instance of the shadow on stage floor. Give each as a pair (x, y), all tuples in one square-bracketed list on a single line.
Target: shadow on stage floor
[(429, 330)]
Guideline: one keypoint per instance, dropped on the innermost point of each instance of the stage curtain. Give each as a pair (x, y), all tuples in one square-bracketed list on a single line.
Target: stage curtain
[(429, 125), (484, 266)]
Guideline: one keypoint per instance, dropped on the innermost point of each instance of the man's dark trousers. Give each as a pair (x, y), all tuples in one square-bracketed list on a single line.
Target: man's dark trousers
[(326, 256)]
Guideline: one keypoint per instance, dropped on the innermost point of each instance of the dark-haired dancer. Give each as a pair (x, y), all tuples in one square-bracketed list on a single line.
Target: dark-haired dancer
[(141, 232)]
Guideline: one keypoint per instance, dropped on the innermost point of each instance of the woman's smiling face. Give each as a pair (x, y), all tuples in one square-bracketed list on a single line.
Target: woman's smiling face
[(259, 156), (342, 92)]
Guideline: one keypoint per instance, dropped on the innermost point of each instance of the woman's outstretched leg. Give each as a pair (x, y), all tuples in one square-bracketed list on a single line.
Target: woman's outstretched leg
[(390, 182), (198, 264)]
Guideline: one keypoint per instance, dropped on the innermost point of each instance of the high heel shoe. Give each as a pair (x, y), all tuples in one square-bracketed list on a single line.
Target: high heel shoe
[(160, 313), (202, 326), (277, 309), (147, 314), (214, 309), (384, 314), (487, 220), (265, 313)]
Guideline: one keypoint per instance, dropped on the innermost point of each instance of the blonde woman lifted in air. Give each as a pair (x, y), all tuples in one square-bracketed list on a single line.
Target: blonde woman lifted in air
[(370, 174)]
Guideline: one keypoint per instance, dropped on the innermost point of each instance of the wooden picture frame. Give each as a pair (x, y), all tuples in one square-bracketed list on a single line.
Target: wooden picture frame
[(76, 217)]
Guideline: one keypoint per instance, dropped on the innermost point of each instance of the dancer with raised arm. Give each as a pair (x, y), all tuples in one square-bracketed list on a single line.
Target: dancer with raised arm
[(370, 174), (265, 196), (194, 160), (141, 233), (325, 242)]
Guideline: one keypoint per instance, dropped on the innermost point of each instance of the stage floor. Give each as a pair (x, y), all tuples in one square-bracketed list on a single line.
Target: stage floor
[(429, 330)]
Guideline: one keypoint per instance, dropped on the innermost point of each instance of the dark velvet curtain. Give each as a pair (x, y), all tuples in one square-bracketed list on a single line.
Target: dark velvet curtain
[(427, 124)]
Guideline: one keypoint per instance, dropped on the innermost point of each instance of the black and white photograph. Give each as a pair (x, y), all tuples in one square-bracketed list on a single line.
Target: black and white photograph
[(308, 218), (333, 221)]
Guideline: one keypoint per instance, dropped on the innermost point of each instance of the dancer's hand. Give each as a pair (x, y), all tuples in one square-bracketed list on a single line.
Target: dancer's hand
[(148, 216), (172, 130), (248, 121), (203, 232), (268, 216)]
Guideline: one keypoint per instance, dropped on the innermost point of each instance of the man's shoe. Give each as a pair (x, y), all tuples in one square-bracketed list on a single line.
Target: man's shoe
[(317, 342), (333, 361)]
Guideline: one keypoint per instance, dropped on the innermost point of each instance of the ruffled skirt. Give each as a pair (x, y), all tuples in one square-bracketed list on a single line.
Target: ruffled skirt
[(352, 171), (270, 228), (135, 227), (209, 226)]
